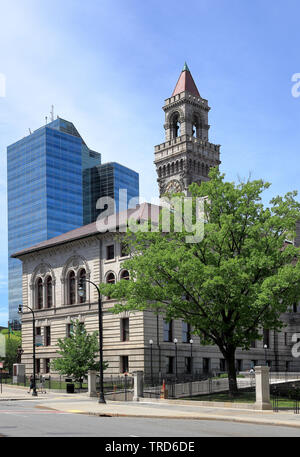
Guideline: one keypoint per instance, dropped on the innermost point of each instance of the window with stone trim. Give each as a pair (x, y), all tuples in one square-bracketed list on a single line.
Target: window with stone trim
[(124, 275), (49, 293), (124, 364), (47, 335), (71, 288), (125, 329), (39, 293), (82, 282), (110, 279), (110, 252)]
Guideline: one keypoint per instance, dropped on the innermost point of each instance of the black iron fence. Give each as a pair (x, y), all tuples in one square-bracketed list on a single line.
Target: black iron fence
[(285, 396), (117, 387)]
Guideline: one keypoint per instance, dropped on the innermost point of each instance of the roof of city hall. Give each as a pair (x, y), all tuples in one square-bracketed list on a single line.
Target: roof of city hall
[(141, 213)]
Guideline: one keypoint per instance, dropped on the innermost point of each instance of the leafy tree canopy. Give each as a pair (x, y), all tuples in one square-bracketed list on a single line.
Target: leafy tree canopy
[(237, 280), (78, 353)]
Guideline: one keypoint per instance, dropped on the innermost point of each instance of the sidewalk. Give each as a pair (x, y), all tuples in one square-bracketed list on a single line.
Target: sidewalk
[(12, 392), (147, 408), (180, 410)]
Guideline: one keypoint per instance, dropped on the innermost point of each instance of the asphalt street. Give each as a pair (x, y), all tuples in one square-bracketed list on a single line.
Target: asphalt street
[(28, 419)]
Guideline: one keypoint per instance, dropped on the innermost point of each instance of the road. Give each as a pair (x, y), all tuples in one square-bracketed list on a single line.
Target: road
[(28, 419)]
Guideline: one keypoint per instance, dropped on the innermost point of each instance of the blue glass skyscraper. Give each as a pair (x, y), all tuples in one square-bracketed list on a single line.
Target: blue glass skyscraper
[(46, 191), (115, 181)]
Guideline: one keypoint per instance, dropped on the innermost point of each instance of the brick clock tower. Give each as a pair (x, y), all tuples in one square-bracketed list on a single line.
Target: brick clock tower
[(186, 155)]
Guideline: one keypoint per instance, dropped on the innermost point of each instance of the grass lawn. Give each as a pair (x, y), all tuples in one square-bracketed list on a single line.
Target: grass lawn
[(243, 397)]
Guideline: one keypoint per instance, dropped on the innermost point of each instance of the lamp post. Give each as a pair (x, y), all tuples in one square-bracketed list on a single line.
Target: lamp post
[(158, 346), (81, 292), (20, 311), (265, 348), (175, 342), (151, 344), (191, 343)]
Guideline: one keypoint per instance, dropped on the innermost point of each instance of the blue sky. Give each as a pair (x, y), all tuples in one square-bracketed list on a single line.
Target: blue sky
[(109, 65)]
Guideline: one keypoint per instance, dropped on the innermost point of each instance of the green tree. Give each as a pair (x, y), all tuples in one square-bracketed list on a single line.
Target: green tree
[(78, 353), (237, 280), (13, 341)]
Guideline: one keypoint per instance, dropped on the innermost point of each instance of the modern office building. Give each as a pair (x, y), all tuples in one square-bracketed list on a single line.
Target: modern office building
[(54, 182), (45, 192), (112, 180)]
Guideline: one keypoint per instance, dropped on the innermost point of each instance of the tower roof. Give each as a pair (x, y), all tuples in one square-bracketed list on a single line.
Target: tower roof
[(186, 83)]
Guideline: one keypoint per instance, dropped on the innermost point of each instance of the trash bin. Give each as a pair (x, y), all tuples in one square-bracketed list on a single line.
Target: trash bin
[(70, 388)]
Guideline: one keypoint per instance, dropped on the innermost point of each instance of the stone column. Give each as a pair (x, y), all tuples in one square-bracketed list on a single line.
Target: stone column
[(92, 391), (18, 373), (262, 388), (138, 385)]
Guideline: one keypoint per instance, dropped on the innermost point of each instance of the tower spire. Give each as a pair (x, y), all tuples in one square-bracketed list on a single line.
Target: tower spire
[(186, 83)]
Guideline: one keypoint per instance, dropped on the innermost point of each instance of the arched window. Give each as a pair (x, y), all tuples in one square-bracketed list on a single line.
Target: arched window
[(175, 126), (49, 295), (195, 127), (82, 282), (39, 290), (125, 275), (110, 279), (72, 288)]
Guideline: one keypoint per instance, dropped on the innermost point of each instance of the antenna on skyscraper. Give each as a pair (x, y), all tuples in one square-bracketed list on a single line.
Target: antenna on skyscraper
[(29, 131), (52, 113), (46, 118)]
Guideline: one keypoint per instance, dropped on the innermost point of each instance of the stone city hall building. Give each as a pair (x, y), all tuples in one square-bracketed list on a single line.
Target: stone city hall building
[(52, 270)]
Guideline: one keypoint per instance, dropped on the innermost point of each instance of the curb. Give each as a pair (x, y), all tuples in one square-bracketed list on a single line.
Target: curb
[(208, 418)]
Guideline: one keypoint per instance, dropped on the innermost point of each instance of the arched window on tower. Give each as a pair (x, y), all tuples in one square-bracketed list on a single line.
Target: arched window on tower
[(72, 288), (195, 127), (82, 282), (175, 125), (49, 294), (39, 292)]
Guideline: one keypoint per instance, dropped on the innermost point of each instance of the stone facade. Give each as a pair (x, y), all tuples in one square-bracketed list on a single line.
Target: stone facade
[(89, 253)]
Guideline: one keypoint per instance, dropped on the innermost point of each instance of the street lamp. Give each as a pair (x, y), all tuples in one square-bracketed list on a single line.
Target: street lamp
[(265, 348), (151, 344), (175, 342), (81, 293), (20, 311), (191, 343)]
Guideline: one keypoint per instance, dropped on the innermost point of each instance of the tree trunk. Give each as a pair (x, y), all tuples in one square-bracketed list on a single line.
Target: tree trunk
[(230, 359)]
